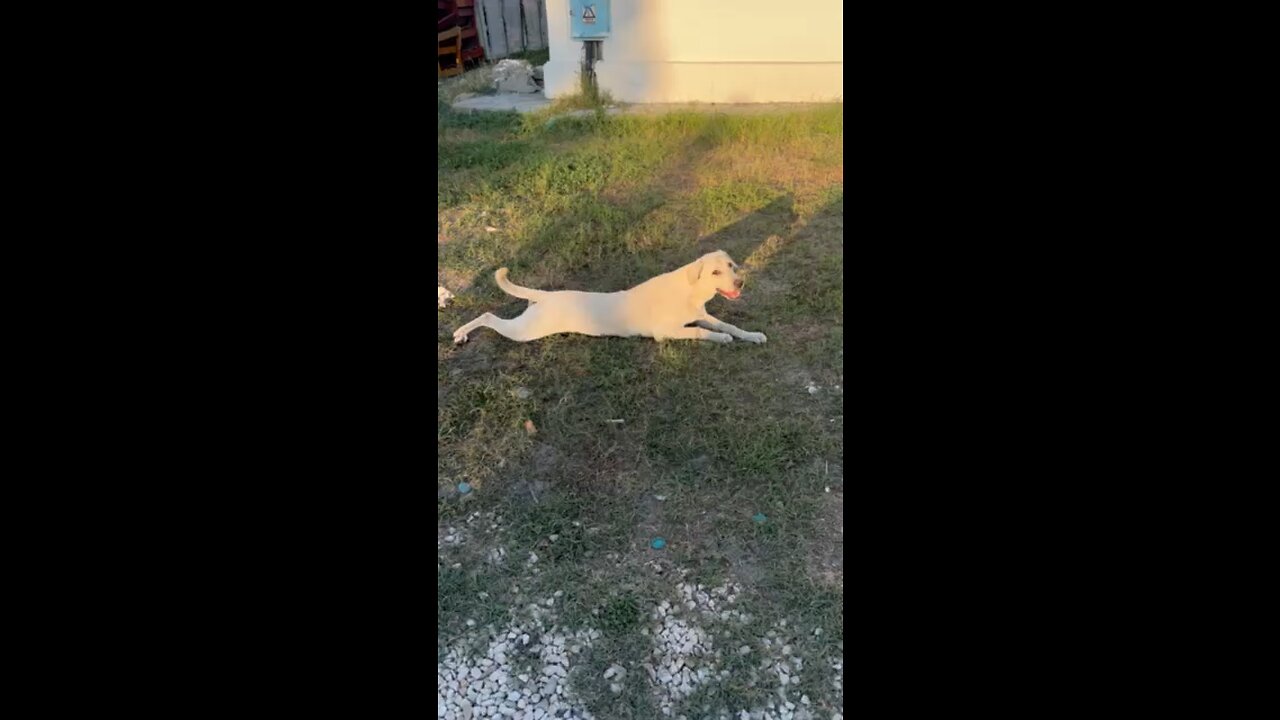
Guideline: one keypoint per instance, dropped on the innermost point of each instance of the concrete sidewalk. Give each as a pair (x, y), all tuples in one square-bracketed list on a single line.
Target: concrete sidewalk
[(532, 102), (502, 102)]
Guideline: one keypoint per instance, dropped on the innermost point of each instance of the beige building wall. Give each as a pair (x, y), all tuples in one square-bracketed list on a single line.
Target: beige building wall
[(713, 51)]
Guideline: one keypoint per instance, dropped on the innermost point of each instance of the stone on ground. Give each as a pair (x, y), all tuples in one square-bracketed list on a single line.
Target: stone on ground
[(514, 76)]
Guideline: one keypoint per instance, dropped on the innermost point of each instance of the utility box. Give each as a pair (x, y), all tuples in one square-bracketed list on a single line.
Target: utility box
[(589, 19)]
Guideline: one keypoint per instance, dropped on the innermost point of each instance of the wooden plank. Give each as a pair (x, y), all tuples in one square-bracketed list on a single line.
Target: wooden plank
[(481, 31), (532, 24), (497, 33), (542, 23), (511, 16)]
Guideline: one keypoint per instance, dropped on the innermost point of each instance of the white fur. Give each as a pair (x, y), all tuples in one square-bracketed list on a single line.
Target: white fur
[(659, 308)]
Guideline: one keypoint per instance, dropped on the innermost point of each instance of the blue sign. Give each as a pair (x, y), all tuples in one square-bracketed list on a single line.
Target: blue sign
[(589, 19)]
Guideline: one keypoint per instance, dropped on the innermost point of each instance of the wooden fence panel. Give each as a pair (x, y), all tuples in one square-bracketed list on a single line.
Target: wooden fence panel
[(511, 16), (482, 30), (533, 24), (496, 37), (504, 32), (542, 23)]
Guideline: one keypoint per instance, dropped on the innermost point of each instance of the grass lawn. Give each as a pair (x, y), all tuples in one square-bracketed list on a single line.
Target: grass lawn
[(731, 453)]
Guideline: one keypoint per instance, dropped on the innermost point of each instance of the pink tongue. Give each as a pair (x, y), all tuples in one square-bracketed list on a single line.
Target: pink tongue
[(729, 294)]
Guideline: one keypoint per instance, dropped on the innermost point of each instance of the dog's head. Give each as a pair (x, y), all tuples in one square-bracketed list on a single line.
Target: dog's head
[(715, 272)]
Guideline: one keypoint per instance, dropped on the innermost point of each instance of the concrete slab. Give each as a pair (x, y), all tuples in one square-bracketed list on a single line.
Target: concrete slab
[(521, 103)]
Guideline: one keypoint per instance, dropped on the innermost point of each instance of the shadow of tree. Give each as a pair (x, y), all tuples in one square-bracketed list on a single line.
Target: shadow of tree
[(584, 237)]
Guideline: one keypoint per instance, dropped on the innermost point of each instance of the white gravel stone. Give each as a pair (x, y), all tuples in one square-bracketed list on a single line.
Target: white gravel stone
[(490, 688)]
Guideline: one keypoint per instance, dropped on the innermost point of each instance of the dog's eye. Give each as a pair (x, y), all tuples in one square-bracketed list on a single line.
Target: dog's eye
[(715, 272)]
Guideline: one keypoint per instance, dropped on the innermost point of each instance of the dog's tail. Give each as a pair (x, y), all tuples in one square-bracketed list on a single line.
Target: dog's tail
[(511, 288)]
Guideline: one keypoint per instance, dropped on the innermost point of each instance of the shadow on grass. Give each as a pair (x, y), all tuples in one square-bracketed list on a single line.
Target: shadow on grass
[(582, 384), (672, 397)]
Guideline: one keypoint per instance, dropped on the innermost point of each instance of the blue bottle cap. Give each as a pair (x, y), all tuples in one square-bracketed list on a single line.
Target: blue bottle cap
[(658, 543), (464, 488)]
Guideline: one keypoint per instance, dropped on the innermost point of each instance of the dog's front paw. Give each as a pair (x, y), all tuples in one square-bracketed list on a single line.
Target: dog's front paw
[(720, 337), (459, 337), (757, 338)]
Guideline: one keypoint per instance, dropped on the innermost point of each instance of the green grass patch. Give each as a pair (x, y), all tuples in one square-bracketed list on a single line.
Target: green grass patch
[(708, 436)]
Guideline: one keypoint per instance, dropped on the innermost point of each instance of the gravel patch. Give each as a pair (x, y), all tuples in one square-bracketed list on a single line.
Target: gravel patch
[(684, 655), (522, 674), (524, 671)]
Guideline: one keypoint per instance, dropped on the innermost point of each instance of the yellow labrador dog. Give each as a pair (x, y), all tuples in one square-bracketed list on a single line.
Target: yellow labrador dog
[(659, 308)]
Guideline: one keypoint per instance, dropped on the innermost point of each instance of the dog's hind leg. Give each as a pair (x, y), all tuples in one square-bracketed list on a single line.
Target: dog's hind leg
[(520, 329)]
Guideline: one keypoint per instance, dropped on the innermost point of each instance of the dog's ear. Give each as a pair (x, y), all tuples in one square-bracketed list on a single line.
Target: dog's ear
[(693, 271)]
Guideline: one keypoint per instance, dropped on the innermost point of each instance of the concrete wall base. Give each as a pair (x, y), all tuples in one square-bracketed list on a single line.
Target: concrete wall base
[(704, 82)]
